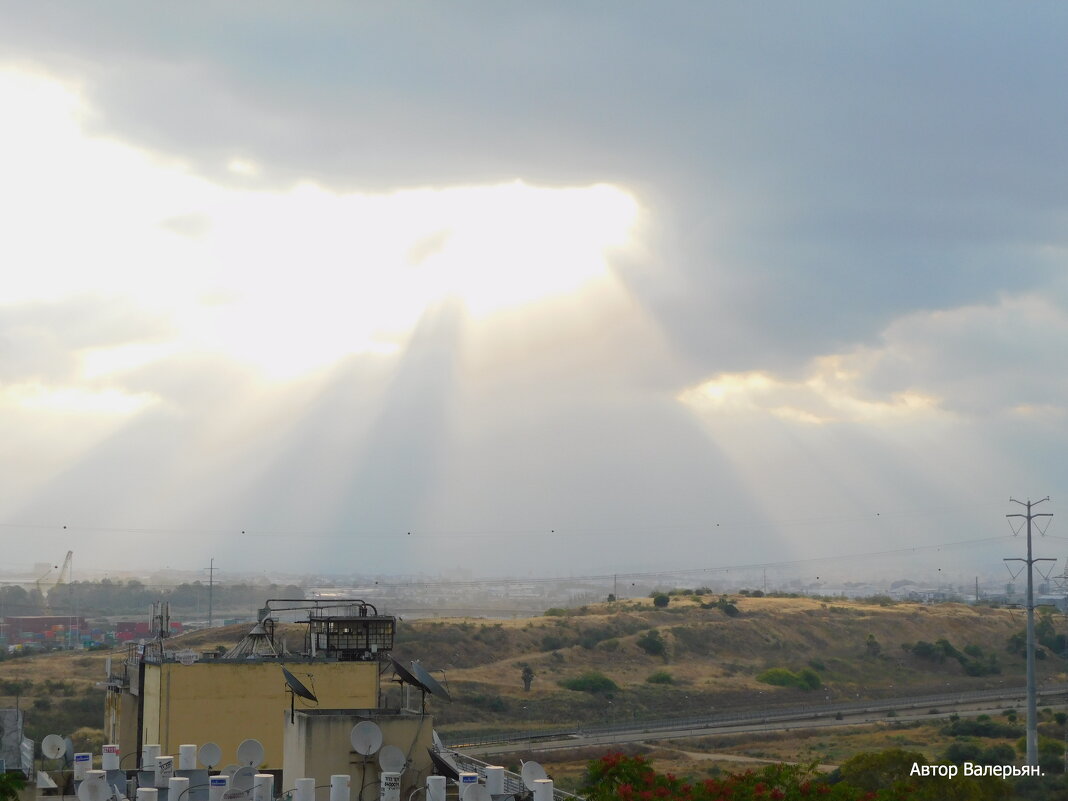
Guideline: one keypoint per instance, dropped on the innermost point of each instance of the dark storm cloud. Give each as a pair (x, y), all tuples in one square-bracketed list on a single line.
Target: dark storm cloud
[(814, 171)]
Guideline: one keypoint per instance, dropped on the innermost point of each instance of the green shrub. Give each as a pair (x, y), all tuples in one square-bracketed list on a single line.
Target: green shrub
[(807, 679), (590, 682), (652, 643), (660, 677)]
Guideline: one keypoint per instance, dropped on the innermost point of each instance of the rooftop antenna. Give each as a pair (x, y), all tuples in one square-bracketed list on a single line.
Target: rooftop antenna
[(366, 738), (418, 677), (250, 753), (210, 754), (532, 771), (391, 759), (94, 787), (244, 779), (296, 688), (53, 747)]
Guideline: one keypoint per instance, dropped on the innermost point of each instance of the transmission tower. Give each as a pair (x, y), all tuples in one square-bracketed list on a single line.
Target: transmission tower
[(1032, 703)]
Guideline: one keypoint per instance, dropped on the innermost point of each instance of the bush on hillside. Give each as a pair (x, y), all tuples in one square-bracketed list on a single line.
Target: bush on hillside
[(590, 682)]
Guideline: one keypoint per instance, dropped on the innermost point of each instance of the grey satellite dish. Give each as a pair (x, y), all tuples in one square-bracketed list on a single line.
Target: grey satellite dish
[(406, 676), (297, 687), (94, 789), (391, 759), (428, 681), (243, 778), (53, 747), (366, 738), (531, 772), (250, 753), (68, 744), (477, 792), (442, 766), (209, 754), (230, 770)]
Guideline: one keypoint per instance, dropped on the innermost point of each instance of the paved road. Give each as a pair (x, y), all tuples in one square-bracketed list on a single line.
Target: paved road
[(829, 715)]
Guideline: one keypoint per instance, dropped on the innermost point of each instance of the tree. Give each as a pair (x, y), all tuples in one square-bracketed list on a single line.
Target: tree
[(11, 783), (528, 677), (660, 600)]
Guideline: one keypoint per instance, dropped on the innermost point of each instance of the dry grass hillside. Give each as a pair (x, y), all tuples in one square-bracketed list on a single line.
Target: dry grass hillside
[(632, 660), (709, 659)]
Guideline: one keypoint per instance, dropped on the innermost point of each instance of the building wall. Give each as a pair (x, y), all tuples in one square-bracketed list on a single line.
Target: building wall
[(227, 702), (317, 746)]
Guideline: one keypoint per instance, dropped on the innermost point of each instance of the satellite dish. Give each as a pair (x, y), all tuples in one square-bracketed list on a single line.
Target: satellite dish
[(297, 687), (437, 740), (210, 754), (53, 747), (391, 759), (94, 789), (230, 770), (406, 676), (428, 681), (68, 744), (243, 778), (532, 771), (442, 766), (250, 753), (477, 792), (366, 737)]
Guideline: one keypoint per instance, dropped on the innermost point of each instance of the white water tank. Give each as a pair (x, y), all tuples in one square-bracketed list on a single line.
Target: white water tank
[(263, 787), (339, 787), (495, 779), (109, 757), (164, 770), (543, 790), (187, 757), (435, 788), (305, 790), (178, 788), (389, 786), (82, 764), (217, 786)]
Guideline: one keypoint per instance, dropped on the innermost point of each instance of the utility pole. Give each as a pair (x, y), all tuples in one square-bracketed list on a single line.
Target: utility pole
[(211, 588), (1032, 703)]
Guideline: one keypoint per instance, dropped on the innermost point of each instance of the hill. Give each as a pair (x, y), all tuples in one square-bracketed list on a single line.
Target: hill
[(631, 659)]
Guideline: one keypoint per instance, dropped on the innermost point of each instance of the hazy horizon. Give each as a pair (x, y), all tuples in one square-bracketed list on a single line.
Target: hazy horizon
[(531, 290)]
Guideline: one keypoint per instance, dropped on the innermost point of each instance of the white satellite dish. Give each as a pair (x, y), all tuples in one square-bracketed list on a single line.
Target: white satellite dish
[(477, 792), (94, 789), (532, 771), (243, 779), (53, 747), (210, 754), (250, 753), (391, 759), (366, 737)]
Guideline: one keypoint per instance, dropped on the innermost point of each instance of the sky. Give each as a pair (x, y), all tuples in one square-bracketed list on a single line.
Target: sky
[(539, 289)]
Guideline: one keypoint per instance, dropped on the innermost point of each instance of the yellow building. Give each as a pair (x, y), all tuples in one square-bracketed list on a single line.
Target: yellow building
[(158, 694)]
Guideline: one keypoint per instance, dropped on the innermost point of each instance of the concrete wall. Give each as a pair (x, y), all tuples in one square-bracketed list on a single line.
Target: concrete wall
[(317, 746), (227, 702)]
